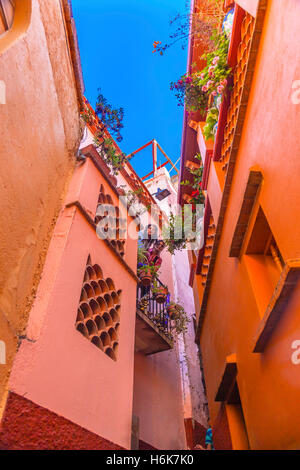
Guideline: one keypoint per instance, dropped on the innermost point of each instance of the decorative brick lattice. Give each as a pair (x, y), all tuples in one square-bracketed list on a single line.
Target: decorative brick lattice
[(98, 317), (239, 82), (115, 225)]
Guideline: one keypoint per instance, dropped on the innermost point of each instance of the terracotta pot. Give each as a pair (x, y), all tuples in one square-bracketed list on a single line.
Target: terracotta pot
[(171, 309), (161, 295), (145, 277)]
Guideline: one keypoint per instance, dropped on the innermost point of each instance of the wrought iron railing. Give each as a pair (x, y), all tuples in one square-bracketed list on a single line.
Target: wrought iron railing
[(156, 312)]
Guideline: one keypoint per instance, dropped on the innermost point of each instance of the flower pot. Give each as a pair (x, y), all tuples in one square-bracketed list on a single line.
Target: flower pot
[(161, 295), (146, 277), (171, 310)]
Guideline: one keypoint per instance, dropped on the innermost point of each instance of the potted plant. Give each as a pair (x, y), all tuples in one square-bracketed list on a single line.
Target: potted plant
[(160, 292), (171, 309), (147, 273), (178, 316), (107, 124), (141, 256), (181, 229)]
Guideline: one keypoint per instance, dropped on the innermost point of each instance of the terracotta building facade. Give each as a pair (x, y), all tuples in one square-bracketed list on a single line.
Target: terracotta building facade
[(246, 277), (94, 370)]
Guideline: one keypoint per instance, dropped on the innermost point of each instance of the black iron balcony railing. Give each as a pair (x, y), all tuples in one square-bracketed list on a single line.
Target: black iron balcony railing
[(156, 312)]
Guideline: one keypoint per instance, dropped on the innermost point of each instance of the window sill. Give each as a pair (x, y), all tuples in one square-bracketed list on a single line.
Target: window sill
[(278, 303)]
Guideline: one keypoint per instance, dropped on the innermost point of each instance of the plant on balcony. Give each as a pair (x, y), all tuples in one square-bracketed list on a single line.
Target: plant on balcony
[(194, 89), (173, 235), (203, 91), (210, 128), (197, 26), (142, 256), (171, 309), (189, 94), (135, 199), (213, 78), (109, 125), (160, 292), (178, 316), (180, 230), (147, 274), (197, 195)]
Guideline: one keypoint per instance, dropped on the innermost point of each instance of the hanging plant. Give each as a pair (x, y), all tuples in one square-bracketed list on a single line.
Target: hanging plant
[(189, 94), (213, 78), (197, 195), (178, 316), (147, 274), (198, 89), (173, 234), (160, 292), (180, 230), (171, 309)]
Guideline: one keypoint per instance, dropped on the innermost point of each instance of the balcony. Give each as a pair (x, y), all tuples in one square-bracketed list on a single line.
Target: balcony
[(153, 326)]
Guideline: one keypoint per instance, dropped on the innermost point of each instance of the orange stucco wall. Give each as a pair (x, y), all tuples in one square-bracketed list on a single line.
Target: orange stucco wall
[(39, 133), (158, 400), (269, 383)]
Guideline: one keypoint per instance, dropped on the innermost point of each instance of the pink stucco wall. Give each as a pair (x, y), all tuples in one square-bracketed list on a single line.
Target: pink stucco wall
[(58, 368), (167, 386), (158, 400)]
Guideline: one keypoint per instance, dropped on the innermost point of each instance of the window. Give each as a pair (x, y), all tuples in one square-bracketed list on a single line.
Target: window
[(7, 11), (264, 261)]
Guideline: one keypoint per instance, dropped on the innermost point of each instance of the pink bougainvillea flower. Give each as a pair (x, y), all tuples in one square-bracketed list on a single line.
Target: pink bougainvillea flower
[(204, 88), (214, 93), (220, 89), (223, 82), (202, 76), (209, 83), (216, 60)]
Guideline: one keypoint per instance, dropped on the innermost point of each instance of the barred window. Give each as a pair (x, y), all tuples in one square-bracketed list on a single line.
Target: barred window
[(7, 11)]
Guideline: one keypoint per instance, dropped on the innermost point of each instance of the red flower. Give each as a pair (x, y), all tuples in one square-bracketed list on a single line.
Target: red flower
[(195, 193)]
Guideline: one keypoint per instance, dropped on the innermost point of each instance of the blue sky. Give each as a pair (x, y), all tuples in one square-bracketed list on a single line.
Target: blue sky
[(115, 40)]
